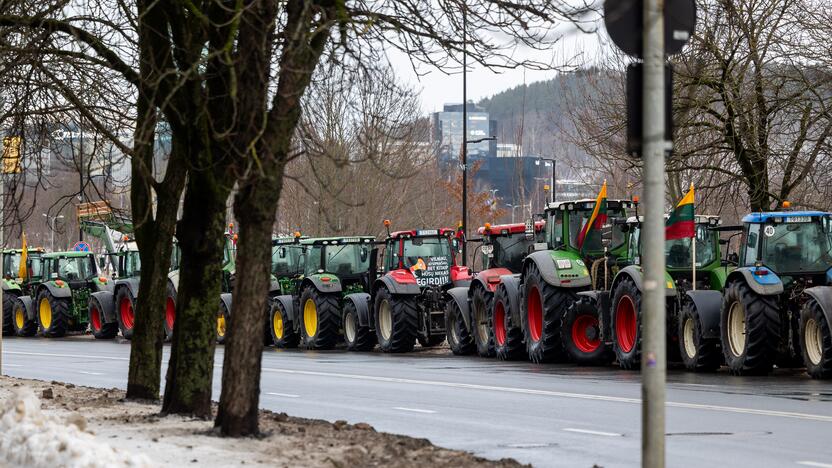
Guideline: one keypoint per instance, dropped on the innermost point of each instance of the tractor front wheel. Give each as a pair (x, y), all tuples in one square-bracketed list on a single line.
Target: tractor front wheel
[(626, 324), (321, 318), (358, 337), (698, 353), (53, 314), (481, 302), (816, 341), (508, 338), (459, 337), (750, 326), (222, 322), (281, 327), (581, 334), (8, 313), (396, 321), (125, 316), (99, 327), (23, 325), (544, 306)]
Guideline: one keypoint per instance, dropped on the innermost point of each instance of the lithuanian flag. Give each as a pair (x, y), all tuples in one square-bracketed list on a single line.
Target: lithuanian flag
[(598, 217), (21, 272), (680, 223)]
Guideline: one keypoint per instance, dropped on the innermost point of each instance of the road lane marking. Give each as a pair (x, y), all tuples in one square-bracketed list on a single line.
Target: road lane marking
[(550, 393), (815, 464), (587, 431), (287, 395), (414, 410), (84, 356), (13, 365), (90, 373)]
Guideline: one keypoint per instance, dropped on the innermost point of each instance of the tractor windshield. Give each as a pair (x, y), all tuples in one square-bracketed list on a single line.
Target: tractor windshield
[(593, 240), (508, 251), (677, 251), (797, 247), (347, 259), (76, 268), (285, 260), (11, 264), (132, 264), (418, 248)]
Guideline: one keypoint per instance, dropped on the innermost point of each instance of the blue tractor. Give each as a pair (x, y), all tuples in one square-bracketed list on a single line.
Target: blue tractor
[(777, 305)]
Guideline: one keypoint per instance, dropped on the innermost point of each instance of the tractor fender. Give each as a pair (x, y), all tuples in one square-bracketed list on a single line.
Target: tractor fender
[(331, 286), (361, 301), (708, 304), (108, 286), (27, 306), (226, 300), (545, 262), (55, 291), (11, 286), (132, 284), (288, 305), (634, 272), (823, 294), (460, 297), (173, 277), (107, 300), (511, 285), (395, 287), (767, 285)]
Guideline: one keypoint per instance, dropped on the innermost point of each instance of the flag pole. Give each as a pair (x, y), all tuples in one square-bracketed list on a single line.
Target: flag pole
[(693, 241)]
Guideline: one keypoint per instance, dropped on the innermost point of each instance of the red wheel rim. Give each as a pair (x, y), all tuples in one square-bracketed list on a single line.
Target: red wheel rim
[(585, 333), (499, 323), (535, 314), (126, 312), (95, 319), (170, 313), (626, 324)]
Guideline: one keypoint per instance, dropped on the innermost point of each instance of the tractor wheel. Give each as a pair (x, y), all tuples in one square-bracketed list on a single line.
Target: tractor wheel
[(358, 337), (750, 326), (281, 327), (626, 324), (459, 337), (481, 303), (222, 322), (170, 312), (508, 339), (542, 317), (53, 314), (433, 340), (124, 312), (815, 341), (321, 319), (23, 325), (581, 334), (99, 327), (8, 313), (396, 321), (698, 354)]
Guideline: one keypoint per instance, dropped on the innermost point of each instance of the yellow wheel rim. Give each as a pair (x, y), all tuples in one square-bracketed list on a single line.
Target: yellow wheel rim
[(45, 312), (221, 325), (277, 323), (19, 319), (310, 317)]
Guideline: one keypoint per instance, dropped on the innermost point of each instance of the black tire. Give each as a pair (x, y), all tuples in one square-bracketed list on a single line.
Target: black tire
[(459, 337), (24, 326), (757, 352), (581, 334), (284, 334), (8, 312), (59, 315), (433, 340), (508, 338), (626, 335), (481, 310), (223, 318), (358, 337), (698, 354), (125, 307), (169, 320), (815, 340), (399, 335), (327, 317), (99, 327), (543, 307)]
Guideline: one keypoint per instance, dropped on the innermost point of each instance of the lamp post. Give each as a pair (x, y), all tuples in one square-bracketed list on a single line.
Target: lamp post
[(512, 210), (50, 220), (554, 168), (465, 177)]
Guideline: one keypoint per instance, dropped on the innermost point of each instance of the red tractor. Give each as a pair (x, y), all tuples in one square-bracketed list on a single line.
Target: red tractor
[(471, 311), (408, 292)]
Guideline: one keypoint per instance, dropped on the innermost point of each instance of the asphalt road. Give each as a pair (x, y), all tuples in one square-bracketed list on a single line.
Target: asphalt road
[(547, 415)]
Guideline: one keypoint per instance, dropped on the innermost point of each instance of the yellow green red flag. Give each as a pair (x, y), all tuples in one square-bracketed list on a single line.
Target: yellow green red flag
[(680, 224), (598, 217), (21, 273)]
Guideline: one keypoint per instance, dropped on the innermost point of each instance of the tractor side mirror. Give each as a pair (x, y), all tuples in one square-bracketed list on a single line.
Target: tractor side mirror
[(364, 254), (281, 252), (457, 245)]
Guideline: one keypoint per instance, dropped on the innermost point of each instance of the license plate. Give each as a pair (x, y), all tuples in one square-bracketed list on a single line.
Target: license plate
[(798, 219)]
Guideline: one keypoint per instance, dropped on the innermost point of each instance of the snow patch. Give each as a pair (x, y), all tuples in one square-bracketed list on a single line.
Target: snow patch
[(29, 437)]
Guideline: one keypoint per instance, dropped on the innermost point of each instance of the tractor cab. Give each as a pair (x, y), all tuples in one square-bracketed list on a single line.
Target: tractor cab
[(505, 246), (11, 264), (426, 257), (565, 220), (338, 259)]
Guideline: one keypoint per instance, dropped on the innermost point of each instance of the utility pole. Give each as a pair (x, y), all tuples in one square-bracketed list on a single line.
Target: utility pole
[(653, 366), (464, 134), (81, 171)]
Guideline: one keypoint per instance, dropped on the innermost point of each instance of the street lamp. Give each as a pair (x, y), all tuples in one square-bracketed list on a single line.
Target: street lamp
[(512, 210), (554, 167), (50, 220), (465, 175)]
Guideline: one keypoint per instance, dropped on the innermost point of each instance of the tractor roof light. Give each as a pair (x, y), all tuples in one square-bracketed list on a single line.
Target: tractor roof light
[(297, 234), (235, 237), (487, 227), (102, 279), (636, 199), (787, 204), (387, 223)]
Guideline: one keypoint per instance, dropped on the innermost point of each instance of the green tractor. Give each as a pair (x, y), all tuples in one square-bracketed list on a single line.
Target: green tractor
[(15, 286), (551, 277), (326, 270), (229, 269)]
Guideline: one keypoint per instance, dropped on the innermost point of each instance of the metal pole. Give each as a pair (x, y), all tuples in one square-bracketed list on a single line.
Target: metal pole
[(52, 235), (464, 134), (2, 260), (554, 168), (653, 366), (81, 172)]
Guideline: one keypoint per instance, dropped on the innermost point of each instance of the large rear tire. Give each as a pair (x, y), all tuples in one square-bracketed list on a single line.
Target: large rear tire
[(699, 354), (23, 325), (8, 313), (222, 322), (99, 327), (459, 337), (125, 306), (396, 320), (170, 311), (481, 308), (320, 319), (53, 314), (544, 306), (625, 322), (358, 337), (281, 327), (750, 326), (815, 340), (508, 338), (581, 334)]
